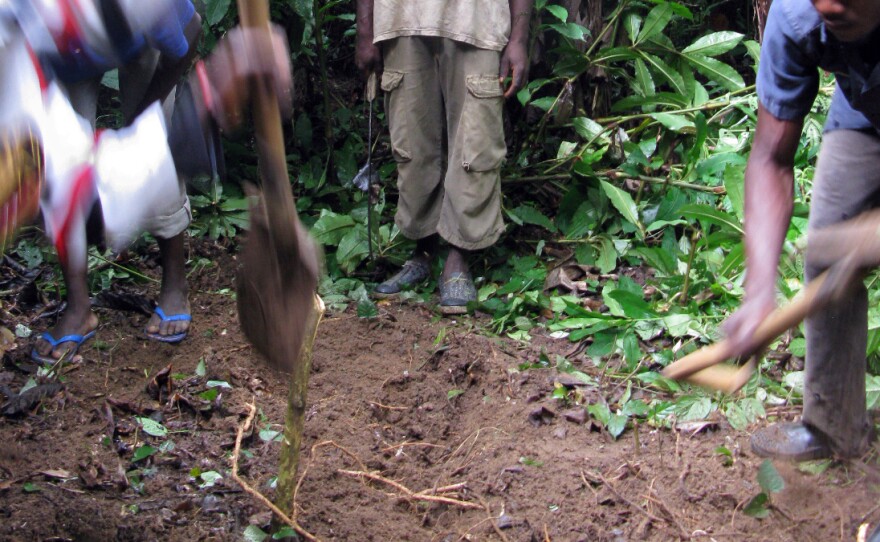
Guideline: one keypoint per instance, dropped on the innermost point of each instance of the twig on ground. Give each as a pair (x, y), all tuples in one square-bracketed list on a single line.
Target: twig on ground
[(321, 444), (408, 493), (681, 479), (660, 502), (387, 407), (253, 492), (491, 518), (402, 444), (660, 521)]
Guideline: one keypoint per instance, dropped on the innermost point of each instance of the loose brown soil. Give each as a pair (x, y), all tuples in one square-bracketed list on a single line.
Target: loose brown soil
[(379, 403)]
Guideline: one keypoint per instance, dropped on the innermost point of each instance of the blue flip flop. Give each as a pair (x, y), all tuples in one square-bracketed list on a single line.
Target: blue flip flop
[(76, 339), (177, 337)]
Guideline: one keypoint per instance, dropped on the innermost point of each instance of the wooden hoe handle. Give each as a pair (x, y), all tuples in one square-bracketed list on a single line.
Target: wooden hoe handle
[(811, 298)]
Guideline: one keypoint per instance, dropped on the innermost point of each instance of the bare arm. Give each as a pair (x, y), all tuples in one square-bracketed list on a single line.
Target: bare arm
[(769, 183), (515, 58), (368, 57), (169, 72)]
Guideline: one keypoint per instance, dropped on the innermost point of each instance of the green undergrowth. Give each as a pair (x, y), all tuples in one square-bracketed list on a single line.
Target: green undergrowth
[(623, 198)]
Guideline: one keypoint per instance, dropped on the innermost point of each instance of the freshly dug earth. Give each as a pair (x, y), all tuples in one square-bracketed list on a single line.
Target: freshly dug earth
[(427, 403)]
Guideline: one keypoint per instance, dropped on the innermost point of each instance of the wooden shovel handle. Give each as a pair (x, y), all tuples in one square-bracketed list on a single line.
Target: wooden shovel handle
[(811, 299), (277, 195)]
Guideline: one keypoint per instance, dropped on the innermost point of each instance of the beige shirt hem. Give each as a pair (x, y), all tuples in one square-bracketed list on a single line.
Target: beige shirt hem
[(439, 33)]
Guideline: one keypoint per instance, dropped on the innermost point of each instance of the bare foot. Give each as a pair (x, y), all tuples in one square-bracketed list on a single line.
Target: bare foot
[(71, 323)]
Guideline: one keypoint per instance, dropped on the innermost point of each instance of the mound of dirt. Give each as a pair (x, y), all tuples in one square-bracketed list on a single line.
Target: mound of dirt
[(418, 428)]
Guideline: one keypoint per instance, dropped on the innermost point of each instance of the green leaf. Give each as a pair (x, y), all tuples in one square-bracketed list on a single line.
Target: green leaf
[(614, 54), (666, 72), (201, 368), (872, 388), (254, 534), (209, 478), (143, 452), (367, 309), (606, 258), (656, 257), (600, 412), (285, 532), (714, 44), (769, 478), (209, 395), (529, 215), (632, 305), (736, 417), (587, 128), (717, 71), (452, 394), (644, 79), (661, 99), (544, 104), (711, 215), (757, 507), (353, 248), (676, 123), (30, 487), (655, 22), (571, 30), (632, 22), (734, 185), (152, 427), (331, 228), (814, 468), (31, 383), (616, 425), (270, 435), (623, 202), (215, 10), (559, 12)]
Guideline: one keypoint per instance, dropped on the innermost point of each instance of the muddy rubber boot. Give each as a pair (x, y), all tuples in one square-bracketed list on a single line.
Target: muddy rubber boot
[(456, 292), (412, 273), (791, 441)]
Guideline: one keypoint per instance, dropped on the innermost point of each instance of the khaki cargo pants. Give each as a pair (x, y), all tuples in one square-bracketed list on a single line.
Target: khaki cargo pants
[(438, 88)]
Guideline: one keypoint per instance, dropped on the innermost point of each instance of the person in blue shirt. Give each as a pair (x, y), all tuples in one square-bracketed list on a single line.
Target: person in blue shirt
[(802, 37)]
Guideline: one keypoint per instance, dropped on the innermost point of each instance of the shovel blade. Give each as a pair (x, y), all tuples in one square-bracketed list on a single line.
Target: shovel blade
[(276, 295)]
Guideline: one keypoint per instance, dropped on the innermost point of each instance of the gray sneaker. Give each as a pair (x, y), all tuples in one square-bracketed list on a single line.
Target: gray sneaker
[(412, 273)]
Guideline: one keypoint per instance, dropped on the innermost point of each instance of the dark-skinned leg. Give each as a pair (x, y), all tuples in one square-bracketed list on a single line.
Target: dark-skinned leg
[(173, 296), (456, 263), (78, 318), (426, 249)]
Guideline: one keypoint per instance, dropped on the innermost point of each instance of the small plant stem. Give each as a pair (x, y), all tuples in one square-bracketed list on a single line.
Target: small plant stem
[(126, 269), (687, 274), (253, 492), (296, 411), (614, 174), (708, 106), (636, 442), (612, 23)]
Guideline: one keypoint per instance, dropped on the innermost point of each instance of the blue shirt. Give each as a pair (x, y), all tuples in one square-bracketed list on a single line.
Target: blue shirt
[(166, 35), (796, 45)]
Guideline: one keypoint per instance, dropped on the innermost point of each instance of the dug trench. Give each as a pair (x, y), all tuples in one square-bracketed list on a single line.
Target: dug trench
[(401, 404)]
